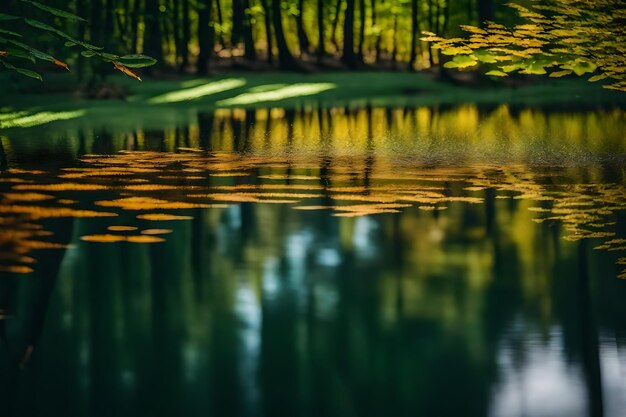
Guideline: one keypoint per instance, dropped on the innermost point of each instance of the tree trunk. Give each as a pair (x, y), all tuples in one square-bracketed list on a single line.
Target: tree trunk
[(446, 18), (267, 15), (237, 19), (286, 60), (361, 29), (336, 24), (176, 30), (379, 35), (437, 16), (137, 6), (152, 33), (349, 57), (220, 21), (205, 35), (248, 38), (430, 28), (303, 39), (184, 52), (321, 45), (486, 10), (165, 33), (394, 55), (414, 33)]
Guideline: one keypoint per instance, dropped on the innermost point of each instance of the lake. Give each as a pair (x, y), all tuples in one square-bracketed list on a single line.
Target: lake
[(324, 261)]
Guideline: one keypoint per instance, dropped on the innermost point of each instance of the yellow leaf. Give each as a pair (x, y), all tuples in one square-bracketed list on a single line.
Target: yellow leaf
[(560, 73), (497, 73), (598, 77), (473, 29)]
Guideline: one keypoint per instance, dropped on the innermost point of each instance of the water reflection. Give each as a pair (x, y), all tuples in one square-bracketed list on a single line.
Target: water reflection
[(152, 184), (448, 134), (346, 279)]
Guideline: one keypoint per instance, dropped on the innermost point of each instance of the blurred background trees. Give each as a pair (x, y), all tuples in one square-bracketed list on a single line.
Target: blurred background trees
[(200, 35)]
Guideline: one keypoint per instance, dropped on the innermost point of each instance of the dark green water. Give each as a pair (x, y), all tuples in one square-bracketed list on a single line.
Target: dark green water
[(364, 262)]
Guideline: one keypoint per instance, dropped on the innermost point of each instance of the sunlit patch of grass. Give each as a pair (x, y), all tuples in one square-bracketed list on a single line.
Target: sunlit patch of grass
[(23, 120), (280, 93), (195, 93)]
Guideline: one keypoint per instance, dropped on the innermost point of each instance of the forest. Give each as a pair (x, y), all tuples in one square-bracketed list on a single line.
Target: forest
[(198, 36)]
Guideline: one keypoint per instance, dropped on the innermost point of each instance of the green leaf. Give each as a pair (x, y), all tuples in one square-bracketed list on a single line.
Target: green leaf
[(40, 25), (7, 65), (108, 57), (534, 68), (512, 67), (8, 17), (583, 67), (34, 52), (69, 44), (43, 26), (54, 11), (22, 71), (29, 73), (87, 53), (20, 54), (486, 57), (451, 51), (497, 73), (137, 61), (77, 42), (8, 32), (464, 61)]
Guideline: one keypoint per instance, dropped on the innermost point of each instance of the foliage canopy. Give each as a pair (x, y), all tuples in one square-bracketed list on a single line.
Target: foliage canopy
[(12, 45), (564, 37)]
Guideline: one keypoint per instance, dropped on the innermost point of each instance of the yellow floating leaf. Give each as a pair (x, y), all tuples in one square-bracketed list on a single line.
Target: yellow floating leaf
[(144, 239), (61, 187), (162, 217), (27, 196), (16, 269), (121, 228), (598, 77), (156, 231), (104, 238)]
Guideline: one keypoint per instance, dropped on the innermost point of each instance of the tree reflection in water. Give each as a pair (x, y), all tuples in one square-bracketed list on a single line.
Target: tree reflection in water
[(406, 286)]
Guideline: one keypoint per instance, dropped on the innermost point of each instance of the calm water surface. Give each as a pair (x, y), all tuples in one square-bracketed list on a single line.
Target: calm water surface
[(343, 262)]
